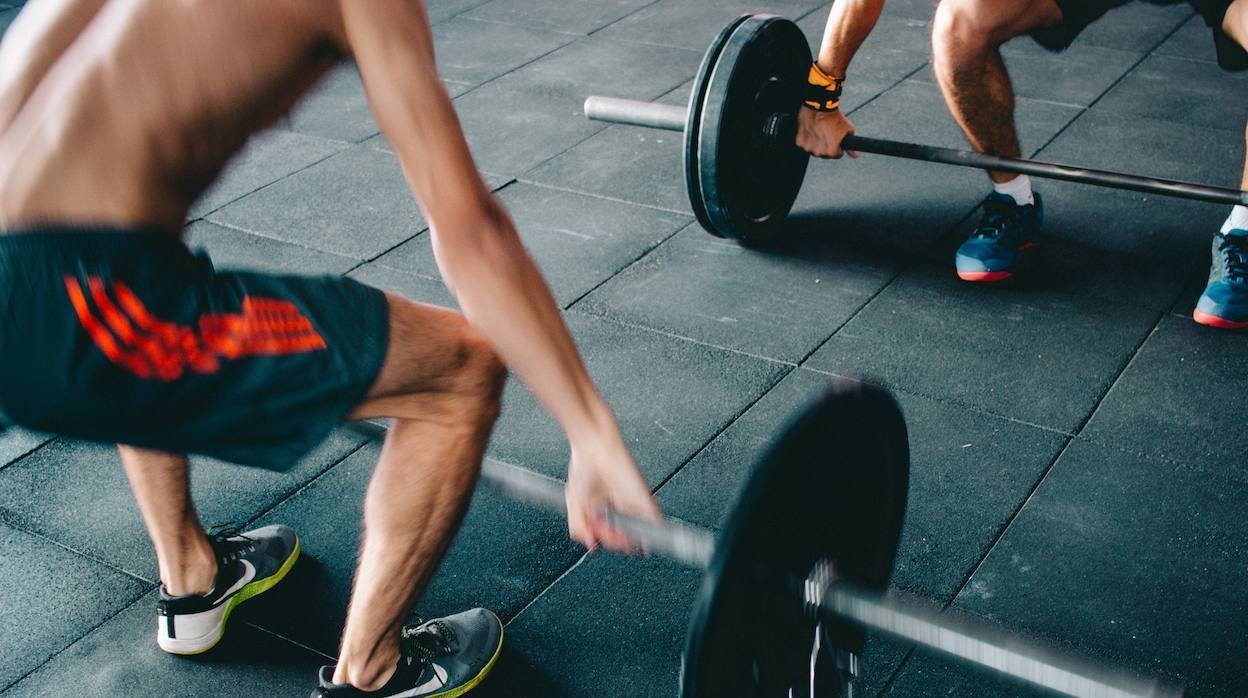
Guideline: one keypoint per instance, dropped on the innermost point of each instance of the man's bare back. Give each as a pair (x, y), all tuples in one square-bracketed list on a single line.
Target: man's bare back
[(123, 112)]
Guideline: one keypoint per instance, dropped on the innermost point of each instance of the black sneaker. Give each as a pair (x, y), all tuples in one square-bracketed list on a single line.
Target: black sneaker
[(247, 564), (443, 658)]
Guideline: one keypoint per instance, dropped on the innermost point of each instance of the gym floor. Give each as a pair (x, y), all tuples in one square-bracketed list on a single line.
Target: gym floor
[(1078, 442)]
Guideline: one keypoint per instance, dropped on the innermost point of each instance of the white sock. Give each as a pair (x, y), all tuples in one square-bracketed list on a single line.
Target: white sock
[(1238, 220), (1018, 189)]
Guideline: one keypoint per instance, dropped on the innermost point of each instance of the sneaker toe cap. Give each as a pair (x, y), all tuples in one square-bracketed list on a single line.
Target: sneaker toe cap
[(1227, 303), (278, 540), (479, 632), (983, 256)]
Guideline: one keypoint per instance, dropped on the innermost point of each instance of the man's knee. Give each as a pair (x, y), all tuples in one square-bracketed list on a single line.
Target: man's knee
[(961, 23), (980, 24), (480, 374), (1235, 23)]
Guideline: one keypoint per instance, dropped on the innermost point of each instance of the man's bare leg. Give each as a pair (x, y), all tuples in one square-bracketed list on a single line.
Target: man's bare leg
[(202, 580), (966, 40), (1235, 24), (441, 383), (1224, 302), (966, 56), (161, 485)]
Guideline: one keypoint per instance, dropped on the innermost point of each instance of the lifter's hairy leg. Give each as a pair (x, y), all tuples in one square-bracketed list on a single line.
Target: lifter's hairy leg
[(161, 485), (441, 383), (966, 37), (1235, 24)]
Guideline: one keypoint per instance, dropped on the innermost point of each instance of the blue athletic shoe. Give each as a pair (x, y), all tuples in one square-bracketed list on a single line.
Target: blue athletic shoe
[(1003, 237), (1225, 300)]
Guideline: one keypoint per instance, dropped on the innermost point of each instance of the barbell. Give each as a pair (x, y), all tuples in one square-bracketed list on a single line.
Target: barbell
[(797, 572), (743, 169)]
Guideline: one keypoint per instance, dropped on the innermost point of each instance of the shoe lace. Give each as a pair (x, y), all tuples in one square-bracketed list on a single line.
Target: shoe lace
[(999, 221), (1234, 250), (421, 643), (229, 543)]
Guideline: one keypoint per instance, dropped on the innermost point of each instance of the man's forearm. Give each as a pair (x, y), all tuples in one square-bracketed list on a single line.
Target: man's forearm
[(849, 24), (478, 251), (504, 296)]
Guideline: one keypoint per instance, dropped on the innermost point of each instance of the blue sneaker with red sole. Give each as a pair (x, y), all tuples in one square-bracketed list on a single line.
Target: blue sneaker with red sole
[(1224, 303), (1002, 240)]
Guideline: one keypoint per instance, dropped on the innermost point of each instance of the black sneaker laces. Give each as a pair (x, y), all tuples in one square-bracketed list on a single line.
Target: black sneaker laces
[(999, 221), (229, 543), (1234, 249), (422, 643)]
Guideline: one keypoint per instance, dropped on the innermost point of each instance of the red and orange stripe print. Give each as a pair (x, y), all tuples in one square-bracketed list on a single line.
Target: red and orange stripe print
[(131, 337)]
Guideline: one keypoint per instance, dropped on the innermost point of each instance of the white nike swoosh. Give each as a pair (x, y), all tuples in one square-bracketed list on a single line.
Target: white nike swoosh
[(438, 681), (249, 573)]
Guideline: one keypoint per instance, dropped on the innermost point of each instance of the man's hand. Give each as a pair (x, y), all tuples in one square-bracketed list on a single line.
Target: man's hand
[(606, 478), (820, 133)]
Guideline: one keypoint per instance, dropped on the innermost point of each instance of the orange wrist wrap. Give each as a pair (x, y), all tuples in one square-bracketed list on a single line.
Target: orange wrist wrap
[(823, 92)]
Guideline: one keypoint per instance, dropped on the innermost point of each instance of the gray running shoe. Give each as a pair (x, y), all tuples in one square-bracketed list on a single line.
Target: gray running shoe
[(247, 564), (442, 658)]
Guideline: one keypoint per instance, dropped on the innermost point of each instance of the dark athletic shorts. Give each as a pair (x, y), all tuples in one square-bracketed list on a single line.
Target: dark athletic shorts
[(1078, 14), (127, 337)]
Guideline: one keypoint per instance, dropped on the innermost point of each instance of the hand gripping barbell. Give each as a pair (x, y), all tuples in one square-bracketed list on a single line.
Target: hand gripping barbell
[(797, 572), (743, 168)]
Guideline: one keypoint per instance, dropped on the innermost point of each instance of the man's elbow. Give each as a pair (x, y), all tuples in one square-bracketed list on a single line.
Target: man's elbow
[(476, 237)]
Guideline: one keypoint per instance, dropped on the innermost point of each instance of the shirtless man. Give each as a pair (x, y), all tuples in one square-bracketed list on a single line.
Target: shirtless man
[(966, 38), (114, 116)]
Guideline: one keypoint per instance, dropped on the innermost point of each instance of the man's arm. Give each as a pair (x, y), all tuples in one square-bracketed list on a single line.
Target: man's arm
[(849, 24), (499, 288)]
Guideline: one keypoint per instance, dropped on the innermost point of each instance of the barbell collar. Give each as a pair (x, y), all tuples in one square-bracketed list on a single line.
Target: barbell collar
[(1047, 170), (823, 593), (634, 113)]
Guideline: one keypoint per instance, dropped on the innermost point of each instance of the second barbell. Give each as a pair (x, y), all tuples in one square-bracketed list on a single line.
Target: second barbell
[(743, 169)]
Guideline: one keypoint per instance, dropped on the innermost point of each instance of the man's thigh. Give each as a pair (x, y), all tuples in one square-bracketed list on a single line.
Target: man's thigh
[(432, 352)]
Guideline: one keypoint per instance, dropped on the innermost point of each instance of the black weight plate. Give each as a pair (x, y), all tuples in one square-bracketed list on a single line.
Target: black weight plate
[(694, 118), (747, 180), (833, 487)]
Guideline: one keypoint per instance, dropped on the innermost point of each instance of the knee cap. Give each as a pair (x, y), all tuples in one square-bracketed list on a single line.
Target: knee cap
[(963, 21)]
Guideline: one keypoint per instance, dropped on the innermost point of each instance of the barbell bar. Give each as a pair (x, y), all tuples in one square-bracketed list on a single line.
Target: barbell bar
[(672, 118), (743, 168), (827, 595)]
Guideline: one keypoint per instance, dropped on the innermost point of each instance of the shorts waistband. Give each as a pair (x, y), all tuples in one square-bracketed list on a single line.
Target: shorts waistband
[(74, 240)]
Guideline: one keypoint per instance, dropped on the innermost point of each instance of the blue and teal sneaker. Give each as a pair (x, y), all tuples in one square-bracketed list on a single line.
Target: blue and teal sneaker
[(1002, 239), (1225, 300)]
